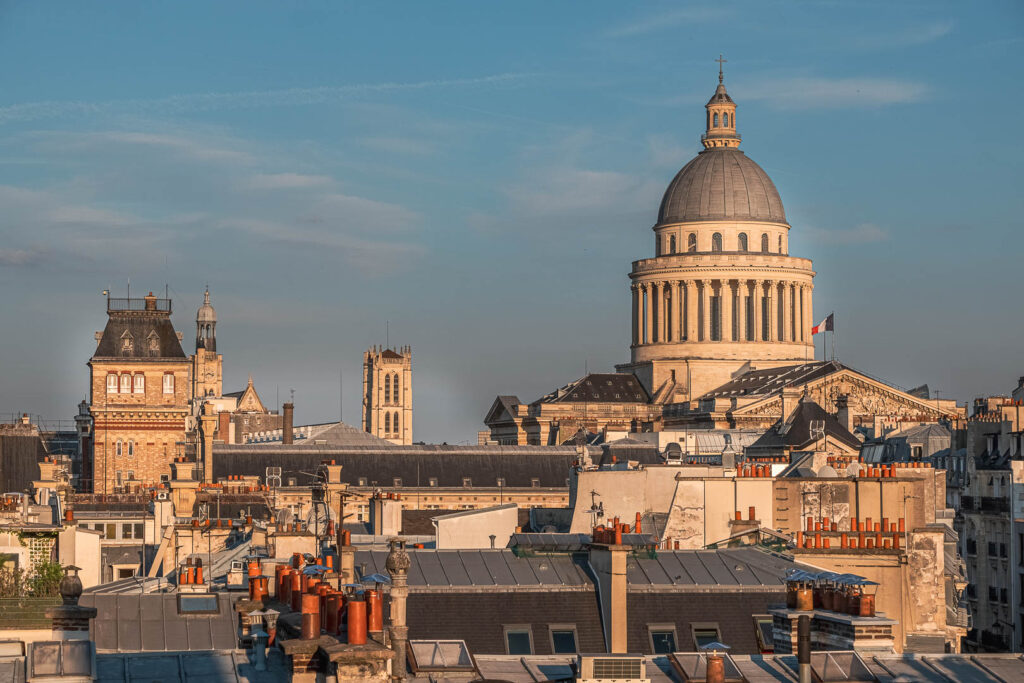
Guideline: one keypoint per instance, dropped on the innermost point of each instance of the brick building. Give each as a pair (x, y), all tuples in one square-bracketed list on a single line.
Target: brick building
[(139, 394)]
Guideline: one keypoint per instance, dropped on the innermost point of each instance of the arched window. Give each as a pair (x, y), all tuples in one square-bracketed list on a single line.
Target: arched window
[(672, 244), (764, 242), (131, 447), (387, 389), (168, 383), (780, 244), (387, 423), (394, 422), (716, 242), (716, 120), (743, 241), (139, 382), (119, 447), (725, 120), (112, 383), (394, 389), (126, 383), (691, 242)]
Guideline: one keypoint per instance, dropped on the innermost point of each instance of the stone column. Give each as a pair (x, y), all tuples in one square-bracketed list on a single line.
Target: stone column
[(674, 312), (757, 291), (636, 314), (808, 311), (727, 314), (397, 564), (660, 288), (770, 323), (691, 310), (741, 310), (705, 298), (648, 313), (786, 300)]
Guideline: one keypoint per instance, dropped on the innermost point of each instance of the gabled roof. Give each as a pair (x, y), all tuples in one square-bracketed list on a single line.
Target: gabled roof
[(611, 387), (795, 433), (139, 335), (503, 408)]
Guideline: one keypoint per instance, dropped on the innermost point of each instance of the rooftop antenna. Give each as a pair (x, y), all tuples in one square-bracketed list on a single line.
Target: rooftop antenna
[(387, 333), (129, 288), (341, 395)]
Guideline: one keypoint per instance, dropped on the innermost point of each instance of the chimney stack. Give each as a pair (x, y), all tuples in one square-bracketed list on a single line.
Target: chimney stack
[(843, 413), (287, 433), (398, 564)]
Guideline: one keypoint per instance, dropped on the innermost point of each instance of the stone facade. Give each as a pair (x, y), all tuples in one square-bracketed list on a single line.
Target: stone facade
[(140, 394), (207, 364), (387, 394)]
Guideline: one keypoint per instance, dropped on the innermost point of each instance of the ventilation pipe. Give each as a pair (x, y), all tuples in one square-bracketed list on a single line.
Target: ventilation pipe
[(803, 647)]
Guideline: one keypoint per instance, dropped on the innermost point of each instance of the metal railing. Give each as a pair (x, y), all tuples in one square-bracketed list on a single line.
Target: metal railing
[(26, 613), (137, 304)]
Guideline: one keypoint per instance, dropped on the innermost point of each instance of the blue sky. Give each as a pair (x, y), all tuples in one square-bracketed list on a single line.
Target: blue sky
[(481, 175)]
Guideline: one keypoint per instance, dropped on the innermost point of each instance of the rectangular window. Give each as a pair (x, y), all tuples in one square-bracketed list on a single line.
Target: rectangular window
[(197, 603), (126, 531), (663, 638), (139, 381), (704, 634), (467, 482), (168, 383), (763, 630), (362, 481), (432, 481), (535, 482), (131, 450), (501, 482), (397, 482), (518, 640), (110, 532), (126, 383), (119, 447), (138, 531), (111, 383), (563, 639), (131, 473)]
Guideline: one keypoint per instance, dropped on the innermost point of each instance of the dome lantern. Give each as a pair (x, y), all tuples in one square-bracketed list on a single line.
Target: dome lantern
[(721, 116), (206, 325)]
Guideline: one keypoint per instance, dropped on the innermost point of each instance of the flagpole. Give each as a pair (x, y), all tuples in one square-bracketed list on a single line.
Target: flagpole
[(833, 316)]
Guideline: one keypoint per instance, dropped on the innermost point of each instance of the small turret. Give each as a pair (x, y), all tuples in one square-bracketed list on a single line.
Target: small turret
[(721, 116), (206, 325)]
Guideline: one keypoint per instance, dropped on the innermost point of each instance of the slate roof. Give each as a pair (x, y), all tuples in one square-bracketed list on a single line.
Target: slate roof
[(795, 433), (152, 337), (128, 622), (414, 465), (722, 183), (771, 380), (611, 387)]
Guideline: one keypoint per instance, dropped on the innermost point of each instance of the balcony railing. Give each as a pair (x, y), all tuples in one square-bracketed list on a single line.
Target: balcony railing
[(138, 304)]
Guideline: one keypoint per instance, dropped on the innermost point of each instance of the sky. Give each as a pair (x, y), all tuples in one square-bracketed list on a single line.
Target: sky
[(474, 180)]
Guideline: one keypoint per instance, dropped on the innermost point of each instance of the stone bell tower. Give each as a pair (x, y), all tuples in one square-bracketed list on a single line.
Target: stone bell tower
[(387, 394), (207, 364)]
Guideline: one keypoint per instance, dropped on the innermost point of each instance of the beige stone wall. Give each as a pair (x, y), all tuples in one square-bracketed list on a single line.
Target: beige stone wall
[(152, 422), (208, 373)]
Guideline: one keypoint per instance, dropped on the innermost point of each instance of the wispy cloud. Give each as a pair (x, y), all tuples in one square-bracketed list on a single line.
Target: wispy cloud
[(921, 34), (826, 93), (865, 233), (243, 99), (397, 145), (651, 23), (22, 257), (285, 181)]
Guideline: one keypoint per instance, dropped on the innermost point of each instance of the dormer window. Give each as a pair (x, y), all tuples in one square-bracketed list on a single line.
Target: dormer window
[(153, 342), (127, 342)]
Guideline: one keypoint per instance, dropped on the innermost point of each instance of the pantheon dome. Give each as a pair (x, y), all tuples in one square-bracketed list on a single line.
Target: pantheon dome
[(721, 183), (721, 293)]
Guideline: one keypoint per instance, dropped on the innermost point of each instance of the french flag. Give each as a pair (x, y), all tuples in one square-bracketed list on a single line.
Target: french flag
[(826, 325)]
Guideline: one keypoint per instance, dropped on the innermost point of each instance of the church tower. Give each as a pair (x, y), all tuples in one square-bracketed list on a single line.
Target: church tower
[(207, 364), (387, 394), (722, 293)]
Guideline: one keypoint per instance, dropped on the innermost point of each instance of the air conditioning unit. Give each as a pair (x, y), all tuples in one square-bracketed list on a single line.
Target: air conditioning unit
[(628, 668)]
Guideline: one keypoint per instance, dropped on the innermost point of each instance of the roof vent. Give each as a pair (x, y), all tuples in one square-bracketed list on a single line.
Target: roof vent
[(628, 668)]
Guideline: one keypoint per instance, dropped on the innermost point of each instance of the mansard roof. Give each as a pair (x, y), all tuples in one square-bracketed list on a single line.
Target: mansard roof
[(609, 387), (139, 335), (795, 433)]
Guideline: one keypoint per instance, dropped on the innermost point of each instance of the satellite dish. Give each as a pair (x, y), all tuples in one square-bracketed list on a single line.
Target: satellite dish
[(827, 472)]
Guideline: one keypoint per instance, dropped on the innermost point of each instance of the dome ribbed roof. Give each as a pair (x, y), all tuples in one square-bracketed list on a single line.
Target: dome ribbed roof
[(206, 314), (721, 183)]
